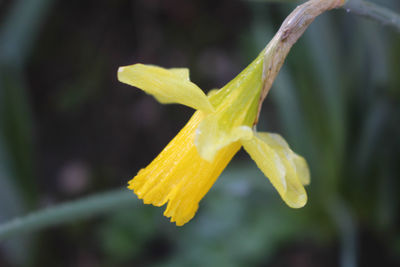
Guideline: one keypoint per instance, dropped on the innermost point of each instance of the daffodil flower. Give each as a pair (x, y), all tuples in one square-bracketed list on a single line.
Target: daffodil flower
[(224, 121), (190, 164)]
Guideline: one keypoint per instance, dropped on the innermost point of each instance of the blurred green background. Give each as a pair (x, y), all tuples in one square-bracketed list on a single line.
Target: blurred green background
[(69, 129)]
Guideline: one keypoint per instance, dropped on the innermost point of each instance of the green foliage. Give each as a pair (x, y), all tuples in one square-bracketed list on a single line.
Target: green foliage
[(126, 234)]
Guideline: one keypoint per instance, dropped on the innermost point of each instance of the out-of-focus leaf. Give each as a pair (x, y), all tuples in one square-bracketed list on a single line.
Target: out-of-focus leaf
[(126, 235), (20, 29), (17, 34), (16, 128), (320, 38), (11, 205), (371, 134)]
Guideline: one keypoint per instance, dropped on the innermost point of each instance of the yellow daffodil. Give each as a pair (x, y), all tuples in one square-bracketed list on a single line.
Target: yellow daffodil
[(190, 164)]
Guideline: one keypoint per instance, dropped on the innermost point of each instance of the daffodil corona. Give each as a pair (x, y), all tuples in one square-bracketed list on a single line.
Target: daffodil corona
[(189, 165)]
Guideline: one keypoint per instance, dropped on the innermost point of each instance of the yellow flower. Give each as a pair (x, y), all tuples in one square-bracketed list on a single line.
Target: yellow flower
[(190, 164)]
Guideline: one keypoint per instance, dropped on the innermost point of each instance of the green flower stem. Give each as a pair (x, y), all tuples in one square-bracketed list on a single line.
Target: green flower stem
[(68, 212), (373, 11)]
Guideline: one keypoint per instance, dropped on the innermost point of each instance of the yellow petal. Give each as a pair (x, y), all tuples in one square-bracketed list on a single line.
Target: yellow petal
[(276, 163), (235, 109), (303, 172), (299, 163), (179, 176), (182, 73), (167, 86), (221, 139)]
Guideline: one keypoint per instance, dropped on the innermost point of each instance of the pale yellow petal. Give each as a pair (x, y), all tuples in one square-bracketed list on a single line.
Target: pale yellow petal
[(273, 160), (207, 149), (268, 161), (280, 144), (167, 86), (179, 176), (303, 172), (182, 73)]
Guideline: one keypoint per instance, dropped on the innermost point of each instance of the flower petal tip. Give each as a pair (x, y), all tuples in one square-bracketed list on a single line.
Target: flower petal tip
[(299, 202)]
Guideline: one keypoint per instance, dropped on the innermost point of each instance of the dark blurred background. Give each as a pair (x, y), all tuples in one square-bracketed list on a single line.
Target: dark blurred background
[(69, 129)]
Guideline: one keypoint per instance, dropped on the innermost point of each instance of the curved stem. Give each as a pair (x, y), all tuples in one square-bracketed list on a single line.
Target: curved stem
[(68, 212), (290, 31)]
